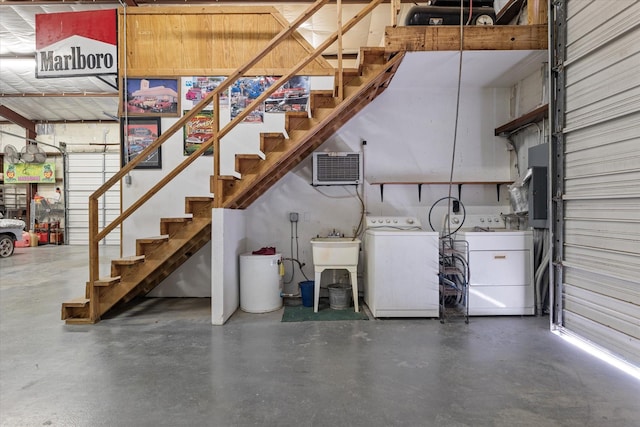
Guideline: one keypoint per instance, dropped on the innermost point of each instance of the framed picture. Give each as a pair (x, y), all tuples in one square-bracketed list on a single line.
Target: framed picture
[(155, 97), (198, 130), (243, 92), (195, 88), (137, 134), (291, 96)]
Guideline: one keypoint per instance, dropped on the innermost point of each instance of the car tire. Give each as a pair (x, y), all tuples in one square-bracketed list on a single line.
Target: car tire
[(6, 246)]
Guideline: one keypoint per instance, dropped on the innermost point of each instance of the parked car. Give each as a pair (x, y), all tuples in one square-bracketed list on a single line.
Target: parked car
[(10, 232)]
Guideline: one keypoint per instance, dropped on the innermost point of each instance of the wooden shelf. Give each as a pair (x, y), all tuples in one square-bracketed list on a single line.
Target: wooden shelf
[(533, 116), (421, 183)]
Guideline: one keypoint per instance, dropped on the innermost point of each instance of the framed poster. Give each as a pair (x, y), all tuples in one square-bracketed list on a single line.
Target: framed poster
[(146, 96), (198, 130), (137, 134)]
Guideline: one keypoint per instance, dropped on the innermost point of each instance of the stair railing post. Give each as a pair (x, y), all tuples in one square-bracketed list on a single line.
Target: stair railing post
[(94, 260), (340, 69), (217, 189)]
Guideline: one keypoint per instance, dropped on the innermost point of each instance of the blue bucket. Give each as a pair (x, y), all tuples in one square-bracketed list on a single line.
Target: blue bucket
[(306, 290)]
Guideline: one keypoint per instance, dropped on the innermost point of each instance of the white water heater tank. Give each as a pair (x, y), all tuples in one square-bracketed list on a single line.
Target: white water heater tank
[(260, 286)]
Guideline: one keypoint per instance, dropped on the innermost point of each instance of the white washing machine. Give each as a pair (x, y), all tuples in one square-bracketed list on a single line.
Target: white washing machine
[(401, 268), (500, 265)]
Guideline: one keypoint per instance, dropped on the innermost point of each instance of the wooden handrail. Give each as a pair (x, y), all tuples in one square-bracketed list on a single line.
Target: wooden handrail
[(95, 236)]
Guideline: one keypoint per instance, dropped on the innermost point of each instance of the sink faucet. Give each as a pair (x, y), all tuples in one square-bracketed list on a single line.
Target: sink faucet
[(334, 233)]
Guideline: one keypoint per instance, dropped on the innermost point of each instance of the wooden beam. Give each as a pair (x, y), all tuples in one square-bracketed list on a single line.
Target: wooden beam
[(509, 11), (440, 38), (536, 12)]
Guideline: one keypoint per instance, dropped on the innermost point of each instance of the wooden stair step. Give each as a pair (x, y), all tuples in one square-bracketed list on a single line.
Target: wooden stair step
[(372, 55), (171, 226), (146, 245), (123, 266), (76, 311), (223, 180), (107, 281), (272, 142), (295, 120), (322, 99), (129, 260), (79, 302), (103, 282), (198, 206), (246, 162)]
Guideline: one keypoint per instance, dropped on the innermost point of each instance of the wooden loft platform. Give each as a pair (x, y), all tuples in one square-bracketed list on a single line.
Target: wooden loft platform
[(441, 38)]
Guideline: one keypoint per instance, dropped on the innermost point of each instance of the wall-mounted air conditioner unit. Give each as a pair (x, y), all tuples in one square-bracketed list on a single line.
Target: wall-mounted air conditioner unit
[(337, 168)]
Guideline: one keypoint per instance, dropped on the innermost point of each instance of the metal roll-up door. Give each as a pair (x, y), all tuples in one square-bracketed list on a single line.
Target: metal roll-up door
[(596, 181), (87, 172)]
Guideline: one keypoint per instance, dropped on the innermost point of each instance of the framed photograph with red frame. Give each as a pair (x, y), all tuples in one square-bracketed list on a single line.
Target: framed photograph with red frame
[(136, 134)]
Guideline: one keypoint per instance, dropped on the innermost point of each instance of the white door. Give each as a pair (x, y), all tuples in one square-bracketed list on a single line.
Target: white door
[(596, 179), (87, 172)]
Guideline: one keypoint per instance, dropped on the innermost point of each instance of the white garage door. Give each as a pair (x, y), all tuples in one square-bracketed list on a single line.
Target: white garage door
[(596, 151), (87, 172)]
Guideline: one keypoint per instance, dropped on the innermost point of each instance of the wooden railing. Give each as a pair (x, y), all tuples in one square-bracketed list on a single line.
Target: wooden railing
[(95, 235)]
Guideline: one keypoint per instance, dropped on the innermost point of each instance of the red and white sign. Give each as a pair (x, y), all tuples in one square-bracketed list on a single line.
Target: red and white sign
[(76, 44)]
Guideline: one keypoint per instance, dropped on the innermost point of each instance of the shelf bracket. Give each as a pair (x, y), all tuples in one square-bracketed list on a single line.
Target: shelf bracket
[(498, 191), (381, 192), (460, 192), (419, 192)]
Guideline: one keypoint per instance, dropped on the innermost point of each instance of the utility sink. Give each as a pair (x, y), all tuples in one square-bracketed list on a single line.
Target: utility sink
[(335, 251)]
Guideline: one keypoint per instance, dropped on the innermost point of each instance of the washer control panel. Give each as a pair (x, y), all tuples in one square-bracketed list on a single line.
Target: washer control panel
[(393, 222), (488, 221)]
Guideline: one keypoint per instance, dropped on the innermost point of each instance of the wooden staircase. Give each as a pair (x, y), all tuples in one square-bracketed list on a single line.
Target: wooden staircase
[(157, 257), (306, 131)]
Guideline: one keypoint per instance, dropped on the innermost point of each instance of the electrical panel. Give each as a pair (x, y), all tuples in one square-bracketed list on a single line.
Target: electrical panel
[(538, 158)]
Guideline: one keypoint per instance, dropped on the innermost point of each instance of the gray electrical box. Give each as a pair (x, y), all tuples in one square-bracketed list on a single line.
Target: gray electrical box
[(538, 195)]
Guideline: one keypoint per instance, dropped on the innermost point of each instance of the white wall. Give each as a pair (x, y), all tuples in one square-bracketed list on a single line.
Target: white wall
[(228, 238)]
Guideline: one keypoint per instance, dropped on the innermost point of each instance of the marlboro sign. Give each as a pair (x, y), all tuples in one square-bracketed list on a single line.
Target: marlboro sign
[(76, 44)]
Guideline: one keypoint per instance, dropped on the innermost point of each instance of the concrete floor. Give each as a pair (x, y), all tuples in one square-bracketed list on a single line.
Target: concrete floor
[(161, 363)]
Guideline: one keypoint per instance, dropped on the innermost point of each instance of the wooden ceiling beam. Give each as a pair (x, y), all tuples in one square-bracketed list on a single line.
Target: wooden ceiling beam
[(447, 37)]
